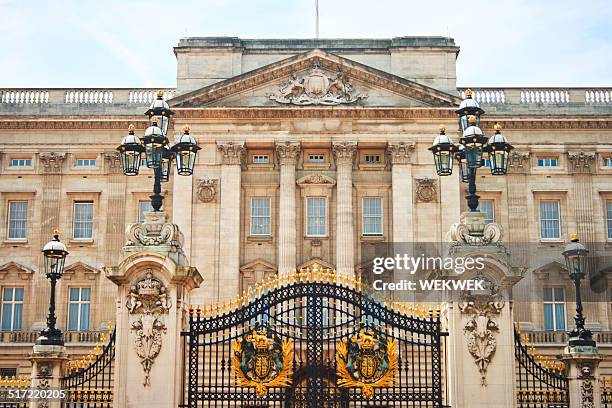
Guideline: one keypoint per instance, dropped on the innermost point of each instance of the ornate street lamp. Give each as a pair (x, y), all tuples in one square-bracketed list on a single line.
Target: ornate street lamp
[(54, 253), (472, 149), (576, 260), (157, 152)]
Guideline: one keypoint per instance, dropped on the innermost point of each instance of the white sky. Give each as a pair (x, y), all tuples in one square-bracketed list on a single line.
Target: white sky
[(128, 43)]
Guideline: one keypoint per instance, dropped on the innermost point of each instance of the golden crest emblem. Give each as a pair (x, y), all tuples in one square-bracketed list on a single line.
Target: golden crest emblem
[(366, 361), (261, 360)]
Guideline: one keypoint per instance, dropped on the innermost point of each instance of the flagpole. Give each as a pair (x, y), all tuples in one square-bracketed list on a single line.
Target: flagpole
[(317, 18)]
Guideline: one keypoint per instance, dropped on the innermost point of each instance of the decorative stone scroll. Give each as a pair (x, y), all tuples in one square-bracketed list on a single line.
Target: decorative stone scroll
[(155, 231), (426, 190), (481, 328), (473, 230), (287, 153), (586, 385), (344, 152), (207, 190), (401, 153), (148, 301), (316, 88)]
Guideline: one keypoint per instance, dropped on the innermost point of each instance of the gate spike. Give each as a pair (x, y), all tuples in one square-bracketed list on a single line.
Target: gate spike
[(198, 311), (359, 283)]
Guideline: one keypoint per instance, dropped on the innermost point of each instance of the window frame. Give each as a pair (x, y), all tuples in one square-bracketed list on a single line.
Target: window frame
[(12, 302), (9, 203), (269, 217), (550, 159), (558, 219), (319, 155), (364, 216), (83, 160), (608, 218), (256, 157), (488, 200), (140, 215), (80, 302), (554, 303), (27, 163), (74, 221), (325, 216)]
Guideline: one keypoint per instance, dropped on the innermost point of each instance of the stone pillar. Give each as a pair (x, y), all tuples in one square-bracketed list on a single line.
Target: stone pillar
[(344, 153), (229, 231), (154, 282), (287, 157), (47, 363), (582, 370), (401, 173), (480, 344)]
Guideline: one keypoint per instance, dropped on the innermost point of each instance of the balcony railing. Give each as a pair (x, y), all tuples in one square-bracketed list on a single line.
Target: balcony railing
[(559, 337), (28, 337), (92, 96), (543, 96)]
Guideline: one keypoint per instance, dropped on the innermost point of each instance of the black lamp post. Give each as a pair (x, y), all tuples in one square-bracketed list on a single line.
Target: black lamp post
[(472, 149), (54, 253), (157, 152), (576, 260)]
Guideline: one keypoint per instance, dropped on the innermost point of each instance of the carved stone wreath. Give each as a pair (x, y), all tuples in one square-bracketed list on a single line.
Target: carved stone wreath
[(426, 190), (148, 301), (207, 190)]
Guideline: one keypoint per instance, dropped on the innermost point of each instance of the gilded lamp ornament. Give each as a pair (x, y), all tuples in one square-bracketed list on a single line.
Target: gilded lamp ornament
[(261, 360), (367, 361)]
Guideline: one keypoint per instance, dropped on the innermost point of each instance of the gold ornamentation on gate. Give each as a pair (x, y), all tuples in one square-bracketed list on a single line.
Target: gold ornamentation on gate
[(262, 360), (366, 361)]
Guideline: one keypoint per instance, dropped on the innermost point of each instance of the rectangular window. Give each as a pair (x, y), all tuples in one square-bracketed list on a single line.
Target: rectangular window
[(607, 161), (17, 220), (12, 309), (550, 220), (372, 158), (548, 162), (78, 309), (316, 158), (83, 220), (143, 207), (21, 163), (554, 309), (260, 216), (488, 207), (86, 162), (261, 159), (316, 216), (609, 218), (372, 216)]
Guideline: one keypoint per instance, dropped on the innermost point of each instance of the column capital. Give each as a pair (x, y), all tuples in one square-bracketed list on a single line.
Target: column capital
[(400, 152), (344, 152), (232, 152), (518, 162), (581, 162), (112, 160), (288, 152), (52, 161)]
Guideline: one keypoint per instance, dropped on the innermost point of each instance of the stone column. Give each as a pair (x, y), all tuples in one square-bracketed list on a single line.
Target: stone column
[(582, 370), (47, 363), (154, 282), (344, 153), (287, 157), (229, 231)]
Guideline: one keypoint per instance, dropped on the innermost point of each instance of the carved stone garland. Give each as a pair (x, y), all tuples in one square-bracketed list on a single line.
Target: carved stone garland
[(148, 302), (207, 190), (481, 328), (586, 386)]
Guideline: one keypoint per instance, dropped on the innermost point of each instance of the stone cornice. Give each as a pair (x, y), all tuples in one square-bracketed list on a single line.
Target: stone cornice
[(61, 123)]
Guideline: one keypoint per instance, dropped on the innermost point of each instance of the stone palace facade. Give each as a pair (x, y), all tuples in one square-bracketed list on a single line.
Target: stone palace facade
[(311, 151)]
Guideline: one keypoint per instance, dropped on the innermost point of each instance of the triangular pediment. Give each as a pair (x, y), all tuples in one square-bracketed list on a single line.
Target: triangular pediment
[(315, 78), (15, 267)]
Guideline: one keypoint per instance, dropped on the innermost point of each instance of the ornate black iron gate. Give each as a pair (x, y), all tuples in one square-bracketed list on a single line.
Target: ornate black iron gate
[(539, 382), (313, 340)]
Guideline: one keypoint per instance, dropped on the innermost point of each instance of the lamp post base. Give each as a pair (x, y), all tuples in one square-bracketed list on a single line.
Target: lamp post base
[(581, 338), (50, 337)]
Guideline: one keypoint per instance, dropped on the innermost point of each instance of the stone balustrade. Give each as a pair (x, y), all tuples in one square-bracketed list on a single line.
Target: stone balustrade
[(77, 96), (544, 96), (29, 337), (559, 337)]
